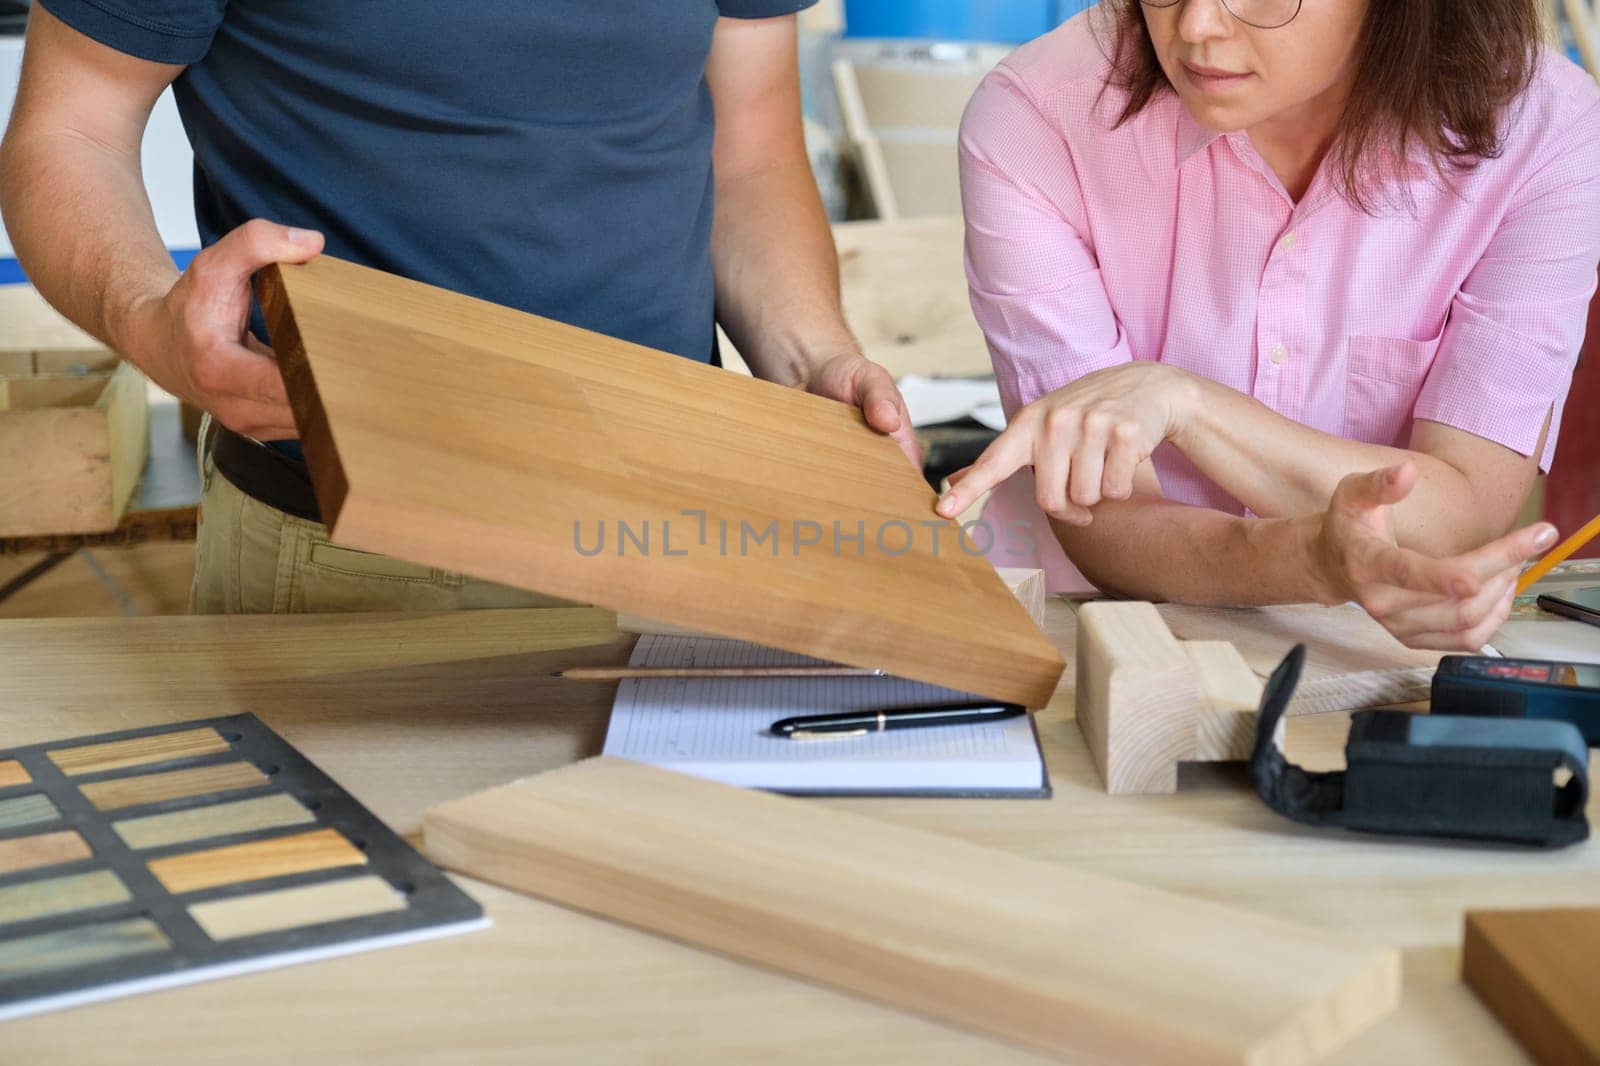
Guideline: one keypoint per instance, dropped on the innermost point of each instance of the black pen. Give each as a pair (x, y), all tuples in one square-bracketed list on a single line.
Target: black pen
[(857, 723)]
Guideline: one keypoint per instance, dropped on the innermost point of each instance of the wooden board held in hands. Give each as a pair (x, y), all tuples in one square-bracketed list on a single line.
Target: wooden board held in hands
[(475, 438), (1035, 953)]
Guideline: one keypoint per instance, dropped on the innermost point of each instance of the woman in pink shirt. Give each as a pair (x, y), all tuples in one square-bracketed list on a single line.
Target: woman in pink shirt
[(1284, 298)]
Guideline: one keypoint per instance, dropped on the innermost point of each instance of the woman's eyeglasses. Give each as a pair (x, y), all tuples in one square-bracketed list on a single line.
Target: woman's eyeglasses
[(1262, 14)]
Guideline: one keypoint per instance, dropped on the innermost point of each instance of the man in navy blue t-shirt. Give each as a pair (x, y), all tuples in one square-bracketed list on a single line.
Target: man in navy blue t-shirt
[(633, 168)]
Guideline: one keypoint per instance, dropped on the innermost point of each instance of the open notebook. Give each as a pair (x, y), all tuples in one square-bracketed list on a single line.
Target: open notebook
[(719, 728)]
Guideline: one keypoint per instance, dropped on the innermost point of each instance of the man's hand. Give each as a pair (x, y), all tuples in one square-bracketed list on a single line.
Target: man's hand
[(195, 341), (1084, 441), (1452, 604), (858, 381)]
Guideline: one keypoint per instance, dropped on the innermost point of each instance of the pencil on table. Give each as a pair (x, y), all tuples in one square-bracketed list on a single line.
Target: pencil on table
[(617, 673)]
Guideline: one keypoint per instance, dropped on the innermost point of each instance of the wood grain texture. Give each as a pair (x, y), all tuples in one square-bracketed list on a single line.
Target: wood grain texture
[(904, 291), (12, 773), (215, 820), (45, 849), (1226, 727), (66, 949), (1138, 697), (295, 908), (320, 849), (409, 711), (453, 432), (1045, 956), (1539, 972), (1352, 662), (60, 895), (122, 792), (27, 810), (139, 751), (71, 449)]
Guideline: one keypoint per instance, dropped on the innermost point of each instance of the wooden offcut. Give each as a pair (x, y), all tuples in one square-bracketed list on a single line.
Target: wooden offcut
[(138, 751), (1538, 971), (1147, 702), (320, 849), (214, 820), (43, 849), (122, 792), (12, 773), (1352, 662), (475, 438), (72, 448), (1044, 956), (296, 908)]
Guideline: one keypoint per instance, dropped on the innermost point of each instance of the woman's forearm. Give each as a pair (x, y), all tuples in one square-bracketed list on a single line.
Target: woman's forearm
[(1278, 467), (1154, 549)]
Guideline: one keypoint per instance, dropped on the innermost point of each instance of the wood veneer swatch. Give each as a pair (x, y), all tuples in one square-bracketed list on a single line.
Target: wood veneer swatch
[(215, 820), (60, 895), (45, 849), (27, 810), (160, 747), (1538, 971), (294, 908), (320, 849), (80, 946), (472, 437), (122, 792), (12, 773), (1035, 952)]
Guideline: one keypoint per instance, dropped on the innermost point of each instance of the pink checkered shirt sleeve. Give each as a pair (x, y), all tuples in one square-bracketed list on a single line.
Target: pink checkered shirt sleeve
[(1035, 285)]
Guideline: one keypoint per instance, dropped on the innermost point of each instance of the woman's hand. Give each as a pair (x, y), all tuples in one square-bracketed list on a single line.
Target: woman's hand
[(1453, 604), (1084, 441)]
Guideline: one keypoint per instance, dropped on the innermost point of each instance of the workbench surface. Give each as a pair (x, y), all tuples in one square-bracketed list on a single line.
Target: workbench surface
[(410, 710)]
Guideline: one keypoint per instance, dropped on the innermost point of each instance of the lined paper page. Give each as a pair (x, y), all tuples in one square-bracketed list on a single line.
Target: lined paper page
[(719, 728)]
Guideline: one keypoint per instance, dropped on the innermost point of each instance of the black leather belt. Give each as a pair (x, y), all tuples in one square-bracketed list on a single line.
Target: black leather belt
[(264, 473)]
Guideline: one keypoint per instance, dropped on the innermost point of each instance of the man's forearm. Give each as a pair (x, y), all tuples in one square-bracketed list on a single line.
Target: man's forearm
[(1154, 549), (777, 272), (81, 222)]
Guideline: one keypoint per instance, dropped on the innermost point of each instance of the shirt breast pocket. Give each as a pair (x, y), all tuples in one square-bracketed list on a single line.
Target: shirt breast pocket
[(1383, 378)]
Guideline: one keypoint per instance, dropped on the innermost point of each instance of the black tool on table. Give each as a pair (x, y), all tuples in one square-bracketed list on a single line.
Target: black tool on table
[(1517, 780), (855, 723), (1520, 688)]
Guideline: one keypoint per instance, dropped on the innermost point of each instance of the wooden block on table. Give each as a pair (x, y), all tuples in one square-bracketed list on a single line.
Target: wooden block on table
[(72, 447), (1352, 662), (1226, 729), (1028, 587), (1138, 697), (1148, 702), (1538, 971), (453, 432), (1032, 952)]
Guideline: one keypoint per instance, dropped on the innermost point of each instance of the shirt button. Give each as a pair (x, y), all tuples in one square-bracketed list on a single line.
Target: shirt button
[(1278, 354), (1288, 242)]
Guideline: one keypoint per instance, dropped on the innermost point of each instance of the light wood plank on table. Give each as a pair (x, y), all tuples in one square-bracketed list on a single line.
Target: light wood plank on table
[(408, 711)]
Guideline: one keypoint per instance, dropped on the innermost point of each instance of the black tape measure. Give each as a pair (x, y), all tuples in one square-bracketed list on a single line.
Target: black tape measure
[(1520, 688), (1522, 780)]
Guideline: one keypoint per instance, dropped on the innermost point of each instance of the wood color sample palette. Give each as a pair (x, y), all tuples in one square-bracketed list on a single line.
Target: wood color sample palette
[(469, 436), (158, 857)]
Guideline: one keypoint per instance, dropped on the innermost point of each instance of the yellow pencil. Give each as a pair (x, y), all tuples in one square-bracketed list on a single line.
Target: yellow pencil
[(1559, 554)]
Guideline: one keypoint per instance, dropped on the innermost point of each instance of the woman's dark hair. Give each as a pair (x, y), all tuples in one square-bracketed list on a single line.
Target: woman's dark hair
[(1435, 74)]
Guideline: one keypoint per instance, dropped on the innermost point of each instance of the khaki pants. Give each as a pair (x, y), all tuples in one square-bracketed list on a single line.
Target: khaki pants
[(251, 558)]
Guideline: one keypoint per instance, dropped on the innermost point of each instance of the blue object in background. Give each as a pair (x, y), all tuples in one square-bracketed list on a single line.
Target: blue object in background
[(11, 270), (1005, 21)]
